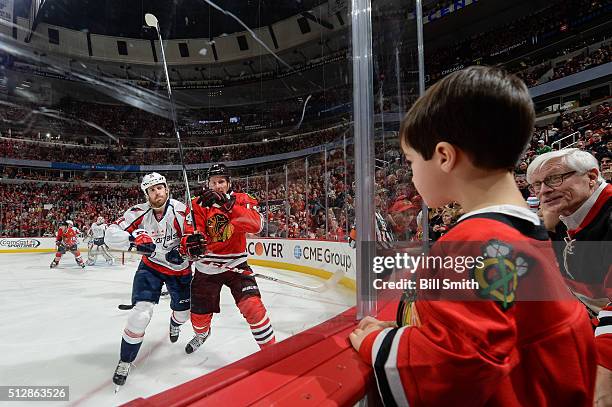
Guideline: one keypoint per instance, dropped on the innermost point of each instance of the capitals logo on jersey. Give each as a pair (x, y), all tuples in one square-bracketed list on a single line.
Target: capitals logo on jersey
[(219, 228)]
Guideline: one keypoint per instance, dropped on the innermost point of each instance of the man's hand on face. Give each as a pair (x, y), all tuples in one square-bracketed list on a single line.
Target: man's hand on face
[(551, 217)]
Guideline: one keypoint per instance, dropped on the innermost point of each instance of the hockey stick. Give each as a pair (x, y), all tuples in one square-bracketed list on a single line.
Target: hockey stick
[(335, 278), (152, 21), (125, 307)]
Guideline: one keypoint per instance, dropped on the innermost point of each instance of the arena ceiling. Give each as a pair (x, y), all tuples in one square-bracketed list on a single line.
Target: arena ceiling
[(180, 18)]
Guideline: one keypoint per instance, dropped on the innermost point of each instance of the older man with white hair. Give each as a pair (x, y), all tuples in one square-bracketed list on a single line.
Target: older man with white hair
[(576, 204)]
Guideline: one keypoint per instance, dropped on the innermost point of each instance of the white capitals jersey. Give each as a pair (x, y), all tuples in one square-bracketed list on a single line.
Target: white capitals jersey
[(166, 234), (97, 231)]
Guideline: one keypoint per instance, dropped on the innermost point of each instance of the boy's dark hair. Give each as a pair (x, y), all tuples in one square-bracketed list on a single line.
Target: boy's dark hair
[(484, 111)]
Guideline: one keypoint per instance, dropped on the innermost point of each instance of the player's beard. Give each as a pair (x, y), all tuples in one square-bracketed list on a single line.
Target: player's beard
[(157, 204)]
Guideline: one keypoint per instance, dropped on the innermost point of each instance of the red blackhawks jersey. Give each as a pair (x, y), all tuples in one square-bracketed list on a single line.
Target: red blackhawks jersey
[(226, 232), (68, 235), (491, 348)]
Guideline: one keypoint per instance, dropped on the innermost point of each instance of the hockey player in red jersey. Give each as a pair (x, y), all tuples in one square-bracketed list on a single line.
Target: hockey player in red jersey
[(493, 348), (67, 240), (224, 217)]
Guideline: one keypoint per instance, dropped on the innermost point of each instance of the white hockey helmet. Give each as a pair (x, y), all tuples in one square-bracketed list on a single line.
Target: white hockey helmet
[(70, 223), (150, 180), (153, 179), (100, 220)]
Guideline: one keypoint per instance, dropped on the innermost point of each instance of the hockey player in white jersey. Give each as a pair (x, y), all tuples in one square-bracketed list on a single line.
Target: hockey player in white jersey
[(96, 243), (154, 229)]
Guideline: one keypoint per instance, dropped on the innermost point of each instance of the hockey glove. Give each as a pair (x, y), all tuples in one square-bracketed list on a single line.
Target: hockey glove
[(174, 256), (209, 198), (142, 242), (61, 247), (193, 245)]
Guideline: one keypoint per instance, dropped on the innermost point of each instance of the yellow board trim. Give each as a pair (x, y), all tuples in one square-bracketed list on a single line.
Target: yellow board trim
[(345, 281)]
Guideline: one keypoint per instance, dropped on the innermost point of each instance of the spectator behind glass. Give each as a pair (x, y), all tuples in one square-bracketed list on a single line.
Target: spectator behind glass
[(521, 183), (577, 211), (606, 167)]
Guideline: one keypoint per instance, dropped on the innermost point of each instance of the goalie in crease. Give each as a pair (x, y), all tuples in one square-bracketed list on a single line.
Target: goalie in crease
[(96, 243)]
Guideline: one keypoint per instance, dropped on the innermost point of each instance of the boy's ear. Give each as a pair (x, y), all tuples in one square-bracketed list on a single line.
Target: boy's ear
[(446, 156)]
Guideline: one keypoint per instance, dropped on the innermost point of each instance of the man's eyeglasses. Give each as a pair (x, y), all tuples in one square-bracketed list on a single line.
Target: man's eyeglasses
[(552, 181)]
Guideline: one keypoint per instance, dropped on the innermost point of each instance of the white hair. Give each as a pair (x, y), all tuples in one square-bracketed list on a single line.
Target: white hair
[(573, 158)]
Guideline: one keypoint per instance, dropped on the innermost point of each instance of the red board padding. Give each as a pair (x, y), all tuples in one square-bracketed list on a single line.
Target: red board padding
[(318, 365)]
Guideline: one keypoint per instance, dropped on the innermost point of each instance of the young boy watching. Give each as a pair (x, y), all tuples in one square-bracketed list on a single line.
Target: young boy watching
[(484, 346)]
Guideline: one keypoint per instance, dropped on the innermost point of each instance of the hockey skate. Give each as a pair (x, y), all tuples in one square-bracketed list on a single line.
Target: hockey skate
[(54, 263), (175, 330), (196, 342), (121, 373), (90, 262), (111, 261)]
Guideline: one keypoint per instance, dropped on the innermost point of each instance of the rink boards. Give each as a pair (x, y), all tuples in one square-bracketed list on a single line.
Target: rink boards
[(314, 257)]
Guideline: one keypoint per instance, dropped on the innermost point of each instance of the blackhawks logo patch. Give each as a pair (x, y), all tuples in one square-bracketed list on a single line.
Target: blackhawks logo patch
[(219, 228), (498, 276)]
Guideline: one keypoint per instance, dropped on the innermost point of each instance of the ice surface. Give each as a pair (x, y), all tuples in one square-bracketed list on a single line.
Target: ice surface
[(62, 327)]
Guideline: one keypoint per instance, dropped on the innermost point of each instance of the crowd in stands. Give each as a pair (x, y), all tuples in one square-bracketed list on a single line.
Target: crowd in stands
[(87, 123), (31, 208), (244, 78), (321, 215), (84, 196), (321, 208), (533, 76), (583, 61), (25, 149), (591, 52), (35, 209), (587, 129), (559, 19)]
